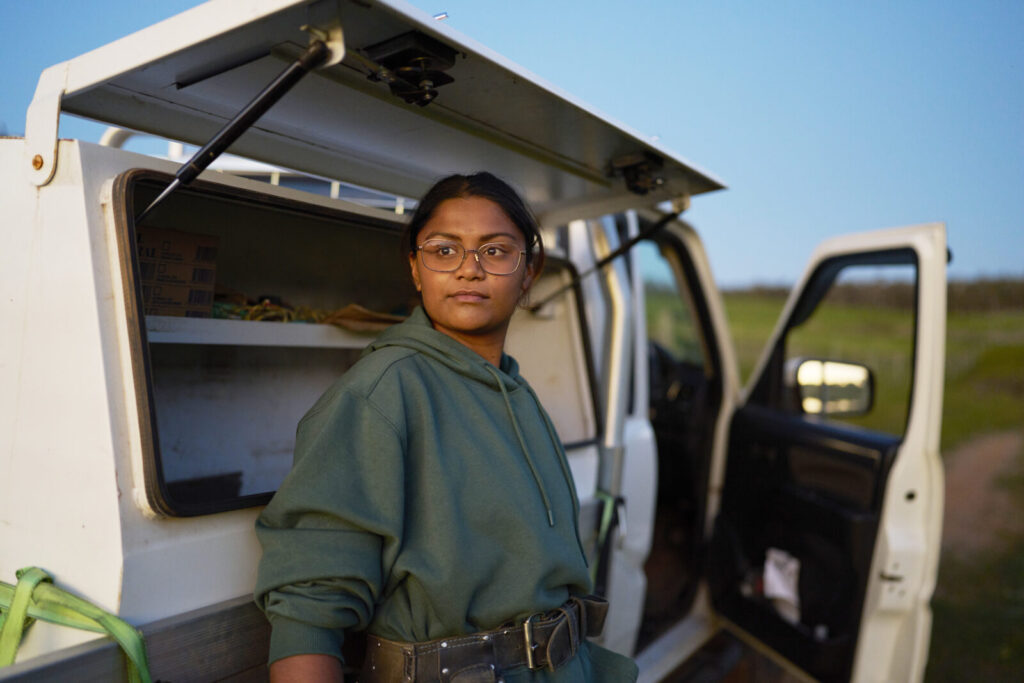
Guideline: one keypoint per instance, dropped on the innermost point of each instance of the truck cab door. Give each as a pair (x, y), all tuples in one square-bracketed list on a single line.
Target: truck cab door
[(825, 545)]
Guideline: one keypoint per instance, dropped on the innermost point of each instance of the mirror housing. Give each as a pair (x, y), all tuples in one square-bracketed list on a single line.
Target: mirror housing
[(830, 387)]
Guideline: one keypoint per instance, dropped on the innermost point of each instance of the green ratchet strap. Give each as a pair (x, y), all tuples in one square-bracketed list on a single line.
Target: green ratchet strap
[(609, 520), (35, 597)]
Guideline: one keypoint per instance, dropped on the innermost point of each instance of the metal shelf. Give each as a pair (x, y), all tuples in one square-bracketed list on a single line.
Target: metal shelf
[(174, 330)]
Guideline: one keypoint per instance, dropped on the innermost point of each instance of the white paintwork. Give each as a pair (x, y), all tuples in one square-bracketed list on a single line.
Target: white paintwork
[(72, 447), (58, 490)]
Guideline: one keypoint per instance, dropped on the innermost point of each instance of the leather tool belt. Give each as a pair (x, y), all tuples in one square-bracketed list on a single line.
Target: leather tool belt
[(544, 641)]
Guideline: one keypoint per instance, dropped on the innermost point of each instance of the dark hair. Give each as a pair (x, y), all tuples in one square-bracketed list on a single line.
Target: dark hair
[(488, 186)]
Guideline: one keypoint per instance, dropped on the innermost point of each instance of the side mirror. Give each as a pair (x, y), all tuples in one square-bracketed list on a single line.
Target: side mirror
[(830, 387)]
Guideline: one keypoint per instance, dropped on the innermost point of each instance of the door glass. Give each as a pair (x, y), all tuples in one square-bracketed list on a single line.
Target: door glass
[(857, 349), (670, 320)]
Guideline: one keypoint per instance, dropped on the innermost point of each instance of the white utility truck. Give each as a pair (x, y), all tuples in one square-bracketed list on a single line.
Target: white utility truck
[(144, 421)]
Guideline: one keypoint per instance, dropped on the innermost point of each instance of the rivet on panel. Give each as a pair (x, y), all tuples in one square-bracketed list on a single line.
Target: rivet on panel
[(37, 161)]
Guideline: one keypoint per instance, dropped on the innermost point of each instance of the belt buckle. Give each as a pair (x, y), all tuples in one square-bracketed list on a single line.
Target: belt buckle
[(528, 638)]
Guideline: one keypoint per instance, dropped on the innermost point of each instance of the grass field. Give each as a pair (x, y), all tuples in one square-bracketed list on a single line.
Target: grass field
[(978, 631)]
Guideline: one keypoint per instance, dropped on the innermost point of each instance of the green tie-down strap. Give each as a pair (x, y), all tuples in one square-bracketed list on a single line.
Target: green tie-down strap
[(602, 555), (35, 597)]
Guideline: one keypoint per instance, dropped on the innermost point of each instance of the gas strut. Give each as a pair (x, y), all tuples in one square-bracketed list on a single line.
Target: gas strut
[(315, 55), (626, 246)]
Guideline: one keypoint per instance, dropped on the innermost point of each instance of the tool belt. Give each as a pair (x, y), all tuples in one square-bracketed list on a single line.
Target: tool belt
[(544, 641)]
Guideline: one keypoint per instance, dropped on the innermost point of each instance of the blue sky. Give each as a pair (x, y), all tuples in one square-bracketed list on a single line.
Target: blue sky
[(822, 117)]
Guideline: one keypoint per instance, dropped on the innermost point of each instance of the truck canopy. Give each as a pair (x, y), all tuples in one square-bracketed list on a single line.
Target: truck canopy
[(185, 77)]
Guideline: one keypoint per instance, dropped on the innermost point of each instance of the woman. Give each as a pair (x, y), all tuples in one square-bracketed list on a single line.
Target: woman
[(430, 501)]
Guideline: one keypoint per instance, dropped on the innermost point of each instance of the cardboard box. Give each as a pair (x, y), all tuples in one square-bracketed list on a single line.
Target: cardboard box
[(178, 271), (200, 276), (176, 295), (175, 246)]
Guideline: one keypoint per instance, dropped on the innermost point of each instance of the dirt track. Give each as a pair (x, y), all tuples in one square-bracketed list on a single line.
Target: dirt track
[(978, 511)]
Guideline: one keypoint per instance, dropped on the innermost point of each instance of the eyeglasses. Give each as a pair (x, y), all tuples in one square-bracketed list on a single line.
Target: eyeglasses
[(496, 258)]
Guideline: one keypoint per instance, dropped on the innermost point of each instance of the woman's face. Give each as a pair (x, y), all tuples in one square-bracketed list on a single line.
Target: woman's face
[(468, 303)]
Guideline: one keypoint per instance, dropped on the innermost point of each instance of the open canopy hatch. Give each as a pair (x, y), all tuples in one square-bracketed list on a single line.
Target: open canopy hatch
[(411, 100)]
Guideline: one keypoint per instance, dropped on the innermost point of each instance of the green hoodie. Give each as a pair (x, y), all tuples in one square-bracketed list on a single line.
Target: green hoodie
[(429, 497)]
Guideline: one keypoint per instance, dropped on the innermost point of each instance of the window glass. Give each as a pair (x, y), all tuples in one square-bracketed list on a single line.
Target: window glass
[(671, 322), (865, 320), (306, 184)]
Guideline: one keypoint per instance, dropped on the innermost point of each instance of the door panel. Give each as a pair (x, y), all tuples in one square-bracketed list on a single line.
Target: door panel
[(827, 519), (827, 535)]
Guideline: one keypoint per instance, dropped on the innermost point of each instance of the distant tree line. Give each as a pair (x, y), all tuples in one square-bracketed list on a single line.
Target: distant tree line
[(988, 294)]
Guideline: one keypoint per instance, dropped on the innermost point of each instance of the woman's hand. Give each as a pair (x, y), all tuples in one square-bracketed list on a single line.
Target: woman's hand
[(302, 668)]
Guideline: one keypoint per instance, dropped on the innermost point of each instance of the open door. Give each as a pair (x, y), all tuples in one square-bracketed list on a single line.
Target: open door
[(825, 547)]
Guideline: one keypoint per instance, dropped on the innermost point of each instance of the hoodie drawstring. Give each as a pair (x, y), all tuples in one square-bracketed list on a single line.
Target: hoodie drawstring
[(559, 451), (564, 462), (522, 443)]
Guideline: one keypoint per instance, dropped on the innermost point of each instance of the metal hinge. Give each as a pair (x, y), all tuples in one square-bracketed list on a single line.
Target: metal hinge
[(641, 171)]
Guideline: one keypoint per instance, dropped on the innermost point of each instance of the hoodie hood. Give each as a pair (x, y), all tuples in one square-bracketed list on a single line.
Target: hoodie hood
[(417, 333)]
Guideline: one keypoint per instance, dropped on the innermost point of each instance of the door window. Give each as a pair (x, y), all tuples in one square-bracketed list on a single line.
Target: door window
[(850, 357), (671, 322)]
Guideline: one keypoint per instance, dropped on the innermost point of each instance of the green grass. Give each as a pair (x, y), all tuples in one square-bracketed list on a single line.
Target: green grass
[(984, 388), (670, 323), (752, 318), (978, 613)]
